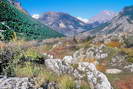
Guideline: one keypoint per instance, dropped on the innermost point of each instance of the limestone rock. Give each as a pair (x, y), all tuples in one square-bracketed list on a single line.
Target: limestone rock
[(16, 83), (113, 71), (57, 66), (97, 79), (129, 68)]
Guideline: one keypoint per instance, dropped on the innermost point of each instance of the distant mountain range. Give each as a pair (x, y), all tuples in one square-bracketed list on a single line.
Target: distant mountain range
[(102, 17), (123, 22), (24, 25), (63, 23), (70, 25)]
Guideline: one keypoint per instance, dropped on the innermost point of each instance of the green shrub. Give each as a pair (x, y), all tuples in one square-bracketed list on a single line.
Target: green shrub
[(130, 59), (27, 70), (32, 53), (9, 58)]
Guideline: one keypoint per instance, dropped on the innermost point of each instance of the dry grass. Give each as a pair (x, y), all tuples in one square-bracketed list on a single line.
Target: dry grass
[(84, 44), (84, 85), (40, 73), (128, 51), (101, 68), (114, 44), (90, 60), (98, 43), (2, 45), (66, 82)]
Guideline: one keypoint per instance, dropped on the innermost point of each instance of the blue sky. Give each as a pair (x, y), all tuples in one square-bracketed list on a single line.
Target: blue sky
[(81, 8)]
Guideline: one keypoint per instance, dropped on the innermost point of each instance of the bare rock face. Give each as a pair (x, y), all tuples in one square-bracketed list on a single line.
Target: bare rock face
[(16, 83)]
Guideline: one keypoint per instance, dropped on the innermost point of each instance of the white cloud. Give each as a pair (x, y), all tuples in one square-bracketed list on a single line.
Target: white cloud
[(35, 16), (83, 19)]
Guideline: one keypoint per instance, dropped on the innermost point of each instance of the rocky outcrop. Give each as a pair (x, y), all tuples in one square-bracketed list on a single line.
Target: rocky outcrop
[(57, 66), (16, 83), (91, 53), (119, 60), (109, 38), (129, 68), (50, 85), (113, 71), (97, 79)]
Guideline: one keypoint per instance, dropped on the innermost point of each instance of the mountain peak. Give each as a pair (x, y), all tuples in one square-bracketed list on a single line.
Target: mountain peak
[(107, 12), (63, 23), (103, 17), (52, 13)]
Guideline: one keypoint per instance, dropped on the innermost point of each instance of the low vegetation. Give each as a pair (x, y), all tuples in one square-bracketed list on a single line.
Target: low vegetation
[(114, 44), (22, 61)]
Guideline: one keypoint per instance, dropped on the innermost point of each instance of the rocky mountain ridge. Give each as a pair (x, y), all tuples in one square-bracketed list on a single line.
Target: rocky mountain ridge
[(69, 25), (63, 23), (102, 17), (123, 22)]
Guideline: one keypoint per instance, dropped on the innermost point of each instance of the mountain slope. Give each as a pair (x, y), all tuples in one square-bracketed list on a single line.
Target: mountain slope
[(123, 22), (25, 26), (18, 5), (63, 23), (102, 17)]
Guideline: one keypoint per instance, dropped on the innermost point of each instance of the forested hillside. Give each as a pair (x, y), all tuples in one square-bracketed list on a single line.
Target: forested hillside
[(24, 26)]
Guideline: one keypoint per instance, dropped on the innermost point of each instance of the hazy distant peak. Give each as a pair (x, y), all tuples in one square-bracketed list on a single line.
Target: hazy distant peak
[(107, 12), (103, 17)]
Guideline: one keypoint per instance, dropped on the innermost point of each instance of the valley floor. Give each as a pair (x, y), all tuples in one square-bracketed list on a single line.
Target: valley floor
[(68, 63)]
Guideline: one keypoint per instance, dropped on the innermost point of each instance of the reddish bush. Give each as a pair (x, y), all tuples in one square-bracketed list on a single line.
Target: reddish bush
[(124, 83)]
